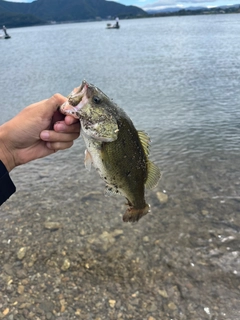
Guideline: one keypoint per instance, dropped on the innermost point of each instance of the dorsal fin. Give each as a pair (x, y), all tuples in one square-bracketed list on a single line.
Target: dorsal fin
[(153, 176), (145, 141)]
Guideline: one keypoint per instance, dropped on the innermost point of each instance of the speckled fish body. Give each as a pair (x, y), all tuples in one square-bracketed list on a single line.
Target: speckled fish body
[(115, 148)]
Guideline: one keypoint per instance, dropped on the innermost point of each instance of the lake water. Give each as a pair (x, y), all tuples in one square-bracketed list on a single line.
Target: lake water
[(178, 79)]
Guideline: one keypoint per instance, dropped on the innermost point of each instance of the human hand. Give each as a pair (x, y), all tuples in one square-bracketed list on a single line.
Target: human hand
[(37, 131)]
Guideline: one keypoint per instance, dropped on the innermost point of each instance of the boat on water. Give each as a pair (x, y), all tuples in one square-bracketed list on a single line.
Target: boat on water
[(112, 26), (5, 35), (116, 25)]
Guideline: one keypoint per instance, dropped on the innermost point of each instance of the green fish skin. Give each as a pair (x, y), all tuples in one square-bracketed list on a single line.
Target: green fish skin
[(114, 147)]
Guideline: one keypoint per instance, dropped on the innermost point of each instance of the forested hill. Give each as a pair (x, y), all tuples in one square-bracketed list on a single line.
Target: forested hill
[(41, 11)]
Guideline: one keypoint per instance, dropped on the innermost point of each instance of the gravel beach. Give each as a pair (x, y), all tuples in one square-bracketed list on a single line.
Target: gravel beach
[(66, 254)]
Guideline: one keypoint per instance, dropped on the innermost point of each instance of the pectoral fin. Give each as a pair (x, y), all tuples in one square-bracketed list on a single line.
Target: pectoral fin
[(88, 160)]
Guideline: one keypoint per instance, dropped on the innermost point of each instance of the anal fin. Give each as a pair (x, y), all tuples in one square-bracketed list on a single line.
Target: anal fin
[(153, 176)]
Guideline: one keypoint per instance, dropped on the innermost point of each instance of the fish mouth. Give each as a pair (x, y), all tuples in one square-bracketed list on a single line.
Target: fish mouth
[(76, 100)]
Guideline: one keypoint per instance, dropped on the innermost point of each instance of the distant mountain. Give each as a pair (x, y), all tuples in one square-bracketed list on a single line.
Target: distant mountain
[(68, 10), (193, 10), (196, 8), (17, 19), (166, 10), (230, 6)]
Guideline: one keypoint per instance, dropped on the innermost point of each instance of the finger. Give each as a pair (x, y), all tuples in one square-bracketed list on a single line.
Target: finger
[(52, 136), (56, 146), (70, 120), (61, 126)]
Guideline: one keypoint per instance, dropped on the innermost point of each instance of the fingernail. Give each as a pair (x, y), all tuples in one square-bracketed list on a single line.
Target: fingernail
[(44, 135), (48, 144)]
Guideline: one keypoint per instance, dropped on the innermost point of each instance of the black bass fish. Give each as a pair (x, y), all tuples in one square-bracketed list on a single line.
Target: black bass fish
[(115, 148)]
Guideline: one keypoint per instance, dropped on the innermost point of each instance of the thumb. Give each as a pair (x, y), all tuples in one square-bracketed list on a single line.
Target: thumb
[(55, 101), (50, 107)]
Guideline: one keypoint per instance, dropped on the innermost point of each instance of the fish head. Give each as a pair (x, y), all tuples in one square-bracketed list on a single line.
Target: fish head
[(96, 111), (74, 102)]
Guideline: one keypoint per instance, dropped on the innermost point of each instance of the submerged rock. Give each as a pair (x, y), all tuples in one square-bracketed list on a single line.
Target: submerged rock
[(66, 265), (162, 197), (21, 253), (50, 225)]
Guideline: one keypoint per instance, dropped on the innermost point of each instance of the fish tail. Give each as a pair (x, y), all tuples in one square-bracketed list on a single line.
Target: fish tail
[(133, 214)]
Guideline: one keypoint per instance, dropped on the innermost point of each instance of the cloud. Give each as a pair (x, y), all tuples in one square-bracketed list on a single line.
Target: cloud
[(20, 0), (160, 4)]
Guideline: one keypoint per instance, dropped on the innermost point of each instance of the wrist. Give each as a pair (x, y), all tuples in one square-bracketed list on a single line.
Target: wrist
[(5, 154)]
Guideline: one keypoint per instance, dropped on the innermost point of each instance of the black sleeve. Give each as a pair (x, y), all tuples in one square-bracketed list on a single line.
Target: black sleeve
[(7, 187)]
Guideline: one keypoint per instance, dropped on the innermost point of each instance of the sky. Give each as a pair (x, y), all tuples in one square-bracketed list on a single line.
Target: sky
[(162, 4)]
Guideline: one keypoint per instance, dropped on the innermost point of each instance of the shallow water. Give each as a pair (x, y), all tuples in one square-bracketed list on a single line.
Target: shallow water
[(178, 79)]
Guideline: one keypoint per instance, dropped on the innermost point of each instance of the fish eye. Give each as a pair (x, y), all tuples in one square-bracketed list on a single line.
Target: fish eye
[(96, 100)]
